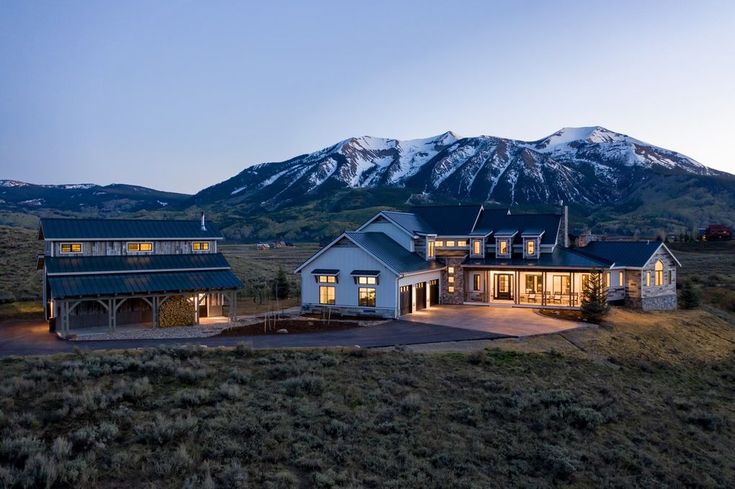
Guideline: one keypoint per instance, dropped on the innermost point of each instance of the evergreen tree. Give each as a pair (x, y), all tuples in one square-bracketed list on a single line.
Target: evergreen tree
[(281, 287), (594, 299), (688, 296)]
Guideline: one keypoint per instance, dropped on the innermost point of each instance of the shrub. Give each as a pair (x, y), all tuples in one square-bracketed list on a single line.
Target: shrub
[(410, 404), (192, 397), (304, 384), (191, 375)]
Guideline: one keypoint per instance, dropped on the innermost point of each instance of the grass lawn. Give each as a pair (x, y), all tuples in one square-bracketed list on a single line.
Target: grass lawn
[(644, 401)]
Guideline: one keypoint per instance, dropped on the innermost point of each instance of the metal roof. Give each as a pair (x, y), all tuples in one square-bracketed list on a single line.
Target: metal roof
[(623, 253), (529, 224), (108, 229), (449, 220), (559, 258), (393, 255), (137, 263), (410, 222), (505, 233), (366, 273), (325, 271), (79, 286)]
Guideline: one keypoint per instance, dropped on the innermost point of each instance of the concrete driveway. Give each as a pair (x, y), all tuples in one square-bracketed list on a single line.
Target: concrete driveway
[(510, 321)]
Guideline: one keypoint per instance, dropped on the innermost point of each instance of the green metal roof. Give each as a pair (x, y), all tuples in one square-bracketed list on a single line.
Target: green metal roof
[(395, 256), (108, 229), (81, 286), (623, 253), (559, 258), (137, 263)]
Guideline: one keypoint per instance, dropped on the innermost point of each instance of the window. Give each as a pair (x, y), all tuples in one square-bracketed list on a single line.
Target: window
[(327, 294), (200, 245), (462, 242), (561, 284), (450, 270), (327, 279), (502, 247), (366, 297), (71, 247), (533, 283), (450, 289), (477, 247), (671, 277), (607, 280), (648, 279), (431, 251), (451, 279), (621, 279), (140, 247), (476, 282), (440, 244), (659, 269), (366, 280), (530, 247), (451, 244)]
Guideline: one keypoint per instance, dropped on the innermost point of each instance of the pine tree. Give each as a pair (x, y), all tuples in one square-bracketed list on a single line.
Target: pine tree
[(688, 296), (594, 299), (281, 287)]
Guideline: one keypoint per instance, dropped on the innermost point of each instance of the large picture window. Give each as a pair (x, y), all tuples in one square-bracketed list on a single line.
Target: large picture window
[(71, 247), (561, 284), (533, 283), (327, 294), (366, 297)]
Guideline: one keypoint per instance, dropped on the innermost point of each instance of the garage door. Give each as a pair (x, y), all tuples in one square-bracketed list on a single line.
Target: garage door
[(405, 299), (420, 295), (434, 292)]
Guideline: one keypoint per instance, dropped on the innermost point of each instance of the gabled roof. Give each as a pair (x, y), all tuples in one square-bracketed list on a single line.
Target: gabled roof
[(559, 258), (393, 255), (408, 221), (77, 286), (124, 229), (449, 220), (134, 264), (385, 250), (528, 224), (634, 254)]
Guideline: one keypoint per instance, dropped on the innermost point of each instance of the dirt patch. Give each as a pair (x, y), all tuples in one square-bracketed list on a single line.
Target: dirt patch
[(291, 325)]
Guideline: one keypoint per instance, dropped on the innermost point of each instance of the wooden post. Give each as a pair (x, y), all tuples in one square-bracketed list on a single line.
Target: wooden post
[(543, 288), (155, 311)]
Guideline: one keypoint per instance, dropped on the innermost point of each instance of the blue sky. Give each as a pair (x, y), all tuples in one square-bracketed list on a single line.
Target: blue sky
[(181, 95)]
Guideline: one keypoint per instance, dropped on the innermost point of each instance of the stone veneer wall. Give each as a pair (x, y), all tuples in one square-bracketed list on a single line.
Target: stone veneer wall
[(458, 296), (652, 298)]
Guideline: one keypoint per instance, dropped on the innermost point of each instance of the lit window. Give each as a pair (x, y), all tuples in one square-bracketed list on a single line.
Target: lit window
[(366, 297), (140, 247), (450, 270), (462, 242), (451, 244), (607, 279), (327, 279), (200, 246), (431, 250), (503, 247), (440, 243), (648, 279), (659, 269), (451, 279), (450, 289), (531, 247), (327, 294), (476, 282), (366, 280), (621, 279), (477, 247), (71, 247)]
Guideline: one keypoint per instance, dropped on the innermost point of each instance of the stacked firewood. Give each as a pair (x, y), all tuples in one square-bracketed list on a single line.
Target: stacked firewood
[(176, 311)]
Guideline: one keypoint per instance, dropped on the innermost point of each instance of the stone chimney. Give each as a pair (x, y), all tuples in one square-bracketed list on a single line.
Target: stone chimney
[(564, 226), (204, 224)]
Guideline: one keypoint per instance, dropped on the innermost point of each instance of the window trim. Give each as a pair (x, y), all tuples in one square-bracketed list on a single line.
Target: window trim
[(71, 246)]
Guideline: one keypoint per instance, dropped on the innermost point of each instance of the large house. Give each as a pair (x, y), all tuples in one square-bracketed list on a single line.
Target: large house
[(400, 262), (109, 272)]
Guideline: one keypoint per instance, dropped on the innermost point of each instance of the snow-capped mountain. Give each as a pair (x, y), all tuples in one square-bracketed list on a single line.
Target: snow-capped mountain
[(588, 165)]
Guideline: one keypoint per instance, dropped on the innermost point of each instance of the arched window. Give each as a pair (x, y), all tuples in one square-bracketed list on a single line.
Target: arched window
[(659, 277)]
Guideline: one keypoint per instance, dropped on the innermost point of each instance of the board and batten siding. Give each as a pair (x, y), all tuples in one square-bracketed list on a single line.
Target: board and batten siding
[(116, 248), (345, 256), (394, 232)]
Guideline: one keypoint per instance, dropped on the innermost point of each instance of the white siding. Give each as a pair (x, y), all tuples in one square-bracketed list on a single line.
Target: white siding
[(394, 232), (346, 257)]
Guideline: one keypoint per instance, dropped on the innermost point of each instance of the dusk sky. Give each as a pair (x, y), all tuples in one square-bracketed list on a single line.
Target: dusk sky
[(181, 95)]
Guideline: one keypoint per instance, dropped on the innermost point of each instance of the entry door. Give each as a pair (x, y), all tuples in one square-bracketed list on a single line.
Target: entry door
[(503, 286), (405, 298), (203, 307), (420, 296)]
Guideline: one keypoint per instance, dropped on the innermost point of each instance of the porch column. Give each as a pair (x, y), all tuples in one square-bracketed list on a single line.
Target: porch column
[(155, 310), (543, 288), (196, 308)]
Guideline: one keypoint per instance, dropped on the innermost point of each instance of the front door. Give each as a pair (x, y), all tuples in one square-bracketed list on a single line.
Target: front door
[(503, 287)]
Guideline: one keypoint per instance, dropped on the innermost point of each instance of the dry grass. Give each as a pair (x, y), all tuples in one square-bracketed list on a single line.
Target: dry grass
[(19, 279)]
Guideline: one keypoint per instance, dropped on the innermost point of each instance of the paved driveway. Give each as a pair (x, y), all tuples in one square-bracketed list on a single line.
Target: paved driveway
[(510, 321), (31, 338)]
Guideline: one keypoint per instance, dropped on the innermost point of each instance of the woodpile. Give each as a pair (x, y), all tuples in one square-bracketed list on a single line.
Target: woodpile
[(176, 311)]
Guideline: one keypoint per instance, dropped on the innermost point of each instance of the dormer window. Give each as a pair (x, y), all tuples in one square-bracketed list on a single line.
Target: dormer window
[(503, 248), (531, 247), (477, 247), (430, 250)]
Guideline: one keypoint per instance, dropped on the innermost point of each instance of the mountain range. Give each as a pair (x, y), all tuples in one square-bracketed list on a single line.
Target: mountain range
[(610, 179)]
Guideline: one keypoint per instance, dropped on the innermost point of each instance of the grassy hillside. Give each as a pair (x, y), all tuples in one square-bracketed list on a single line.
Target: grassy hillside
[(19, 279), (628, 406)]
